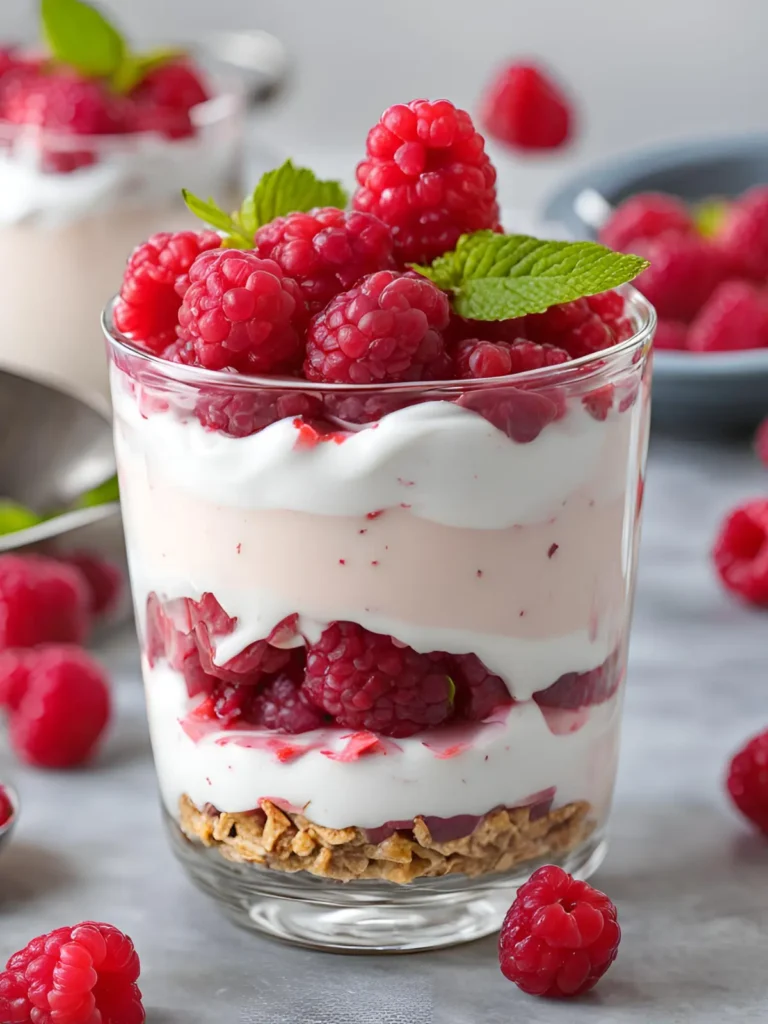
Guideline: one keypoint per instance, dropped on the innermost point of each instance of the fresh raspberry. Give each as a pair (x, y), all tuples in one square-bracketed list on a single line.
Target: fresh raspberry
[(104, 580), (761, 442), (560, 935), (14, 1005), (209, 620), (525, 108), (6, 807), (386, 329), (748, 780), (477, 359), (367, 681), (41, 601), (741, 552), (583, 327), (64, 708), (734, 317), (326, 251), (684, 271), (148, 306), (81, 975), (520, 414), (478, 691), (646, 215), (14, 675), (246, 413), (744, 234), (175, 85), (671, 336), (428, 177), (528, 355), (582, 689), (241, 312)]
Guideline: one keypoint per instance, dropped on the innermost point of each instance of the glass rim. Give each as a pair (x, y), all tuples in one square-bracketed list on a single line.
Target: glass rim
[(601, 362)]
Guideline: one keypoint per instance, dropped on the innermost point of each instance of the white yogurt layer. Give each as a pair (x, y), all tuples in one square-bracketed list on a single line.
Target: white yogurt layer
[(445, 462), (505, 764)]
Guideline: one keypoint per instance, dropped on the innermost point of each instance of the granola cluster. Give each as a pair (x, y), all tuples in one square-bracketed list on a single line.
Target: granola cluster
[(276, 839)]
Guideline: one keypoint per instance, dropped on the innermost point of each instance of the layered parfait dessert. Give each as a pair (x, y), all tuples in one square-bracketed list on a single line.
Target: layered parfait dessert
[(94, 141), (381, 474)]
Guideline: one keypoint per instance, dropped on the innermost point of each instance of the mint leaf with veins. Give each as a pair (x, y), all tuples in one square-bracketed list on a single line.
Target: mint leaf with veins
[(499, 277), (210, 212), (81, 37)]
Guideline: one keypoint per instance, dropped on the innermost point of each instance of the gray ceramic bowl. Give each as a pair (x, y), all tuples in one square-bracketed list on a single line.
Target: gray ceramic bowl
[(718, 393)]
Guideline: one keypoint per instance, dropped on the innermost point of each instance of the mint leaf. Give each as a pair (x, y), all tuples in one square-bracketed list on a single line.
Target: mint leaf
[(499, 277), (80, 36), (287, 189), (101, 495), (136, 66), (210, 212), (14, 517)]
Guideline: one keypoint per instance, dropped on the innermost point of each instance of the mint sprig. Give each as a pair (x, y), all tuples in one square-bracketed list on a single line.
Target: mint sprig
[(81, 37), (286, 189), (499, 277)]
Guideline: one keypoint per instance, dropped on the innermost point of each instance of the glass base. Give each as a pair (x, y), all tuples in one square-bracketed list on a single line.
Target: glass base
[(360, 917)]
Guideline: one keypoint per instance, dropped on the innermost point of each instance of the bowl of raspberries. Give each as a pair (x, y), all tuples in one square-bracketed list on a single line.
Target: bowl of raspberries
[(699, 214)]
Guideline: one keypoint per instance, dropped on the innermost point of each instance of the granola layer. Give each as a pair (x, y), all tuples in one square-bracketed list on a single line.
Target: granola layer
[(276, 839)]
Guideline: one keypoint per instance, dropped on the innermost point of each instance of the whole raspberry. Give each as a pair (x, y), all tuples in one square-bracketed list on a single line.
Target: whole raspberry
[(741, 552), (326, 251), (175, 85), (477, 359), (583, 327), (148, 306), (734, 317), (243, 313), (41, 601), (761, 442), (209, 621), (104, 580), (744, 234), (581, 689), (478, 691), (282, 705), (63, 709), (684, 271), (671, 336), (6, 808), (14, 1005), (747, 780), (645, 215), (365, 680), (559, 937), (81, 975), (386, 329), (428, 177), (525, 108)]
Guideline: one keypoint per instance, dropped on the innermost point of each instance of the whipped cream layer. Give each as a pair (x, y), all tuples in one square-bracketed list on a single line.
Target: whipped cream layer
[(467, 770)]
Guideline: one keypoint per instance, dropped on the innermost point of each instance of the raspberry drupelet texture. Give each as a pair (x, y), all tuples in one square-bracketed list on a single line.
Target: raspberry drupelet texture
[(427, 176), (148, 306), (279, 704), (744, 234), (478, 691), (41, 601), (242, 312), (734, 317), (477, 359), (646, 215), (387, 329), (747, 781), (741, 552), (365, 680), (582, 327), (81, 975), (59, 706), (526, 109), (559, 937), (326, 251)]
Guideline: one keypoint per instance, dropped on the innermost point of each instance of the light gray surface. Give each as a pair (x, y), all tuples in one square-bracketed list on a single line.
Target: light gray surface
[(688, 878)]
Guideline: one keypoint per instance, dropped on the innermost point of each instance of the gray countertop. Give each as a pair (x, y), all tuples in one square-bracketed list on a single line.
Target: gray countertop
[(688, 878)]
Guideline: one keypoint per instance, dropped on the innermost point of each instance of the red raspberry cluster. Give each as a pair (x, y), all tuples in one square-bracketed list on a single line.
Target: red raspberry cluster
[(710, 289), (55, 695)]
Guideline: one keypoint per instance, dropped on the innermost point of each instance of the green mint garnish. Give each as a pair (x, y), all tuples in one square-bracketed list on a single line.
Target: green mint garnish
[(101, 495), (709, 216), (287, 189), (499, 277), (81, 37), (15, 517)]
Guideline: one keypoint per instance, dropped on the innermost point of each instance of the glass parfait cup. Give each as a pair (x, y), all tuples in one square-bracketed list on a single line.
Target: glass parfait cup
[(72, 207), (491, 525)]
